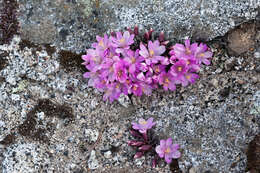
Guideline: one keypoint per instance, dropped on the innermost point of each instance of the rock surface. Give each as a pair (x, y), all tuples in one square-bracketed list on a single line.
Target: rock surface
[(50, 120)]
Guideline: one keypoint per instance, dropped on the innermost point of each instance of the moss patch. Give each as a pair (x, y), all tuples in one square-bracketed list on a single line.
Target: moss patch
[(253, 155), (36, 47), (3, 61), (9, 24), (71, 61), (50, 109), (9, 139)]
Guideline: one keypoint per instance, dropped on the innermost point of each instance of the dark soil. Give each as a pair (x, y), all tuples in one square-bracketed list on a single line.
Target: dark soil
[(71, 61), (9, 139), (9, 24), (35, 47), (3, 61), (28, 128), (253, 155)]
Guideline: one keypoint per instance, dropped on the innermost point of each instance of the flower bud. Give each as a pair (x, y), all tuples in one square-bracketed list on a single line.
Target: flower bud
[(154, 163), (113, 34), (136, 30), (161, 36), (138, 155), (130, 30), (135, 133), (145, 147), (146, 36), (165, 43), (135, 143)]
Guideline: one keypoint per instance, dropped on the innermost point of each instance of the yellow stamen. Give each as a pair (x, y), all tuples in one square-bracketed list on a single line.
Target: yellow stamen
[(134, 88), (151, 52), (157, 70), (188, 76), (143, 122), (179, 68), (101, 43), (188, 62), (167, 80), (168, 150), (133, 60), (122, 40), (119, 73), (202, 54), (111, 69), (188, 52)]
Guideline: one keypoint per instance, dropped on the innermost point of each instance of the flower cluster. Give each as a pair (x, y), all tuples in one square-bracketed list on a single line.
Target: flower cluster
[(122, 63), (148, 143)]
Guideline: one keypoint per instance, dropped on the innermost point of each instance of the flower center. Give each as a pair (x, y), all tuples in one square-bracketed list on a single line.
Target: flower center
[(167, 80), (101, 43), (157, 70), (111, 69), (133, 60), (179, 68), (110, 55), (188, 52), (188, 62), (119, 73), (188, 76), (202, 54), (168, 150), (143, 122), (122, 40), (134, 88), (151, 52), (117, 86)]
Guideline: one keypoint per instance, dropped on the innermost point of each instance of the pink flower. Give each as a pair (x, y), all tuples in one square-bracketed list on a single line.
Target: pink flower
[(167, 81), (136, 89), (133, 60), (191, 78), (112, 92), (103, 43), (143, 125), (181, 50), (178, 71), (122, 42), (167, 150), (120, 71), (202, 54), (158, 68), (153, 53)]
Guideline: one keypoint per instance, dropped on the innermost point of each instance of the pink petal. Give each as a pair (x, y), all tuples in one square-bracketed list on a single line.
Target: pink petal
[(168, 158), (176, 155), (118, 35), (159, 151), (187, 43), (169, 142), (162, 143), (176, 146), (172, 86), (150, 45), (143, 52), (150, 120), (126, 35)]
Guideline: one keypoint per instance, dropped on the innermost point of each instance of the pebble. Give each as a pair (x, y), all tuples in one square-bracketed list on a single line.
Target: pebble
[(93, 162)]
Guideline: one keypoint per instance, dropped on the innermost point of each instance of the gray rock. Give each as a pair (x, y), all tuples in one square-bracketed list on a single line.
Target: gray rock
[(93, 162), (74, 25)]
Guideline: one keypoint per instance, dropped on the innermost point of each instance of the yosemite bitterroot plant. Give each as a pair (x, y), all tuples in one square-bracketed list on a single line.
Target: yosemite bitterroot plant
[(125, 63), (146, 142)]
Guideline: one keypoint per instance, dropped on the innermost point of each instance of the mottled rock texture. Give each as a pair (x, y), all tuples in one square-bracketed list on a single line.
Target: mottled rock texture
[(51, 121)]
